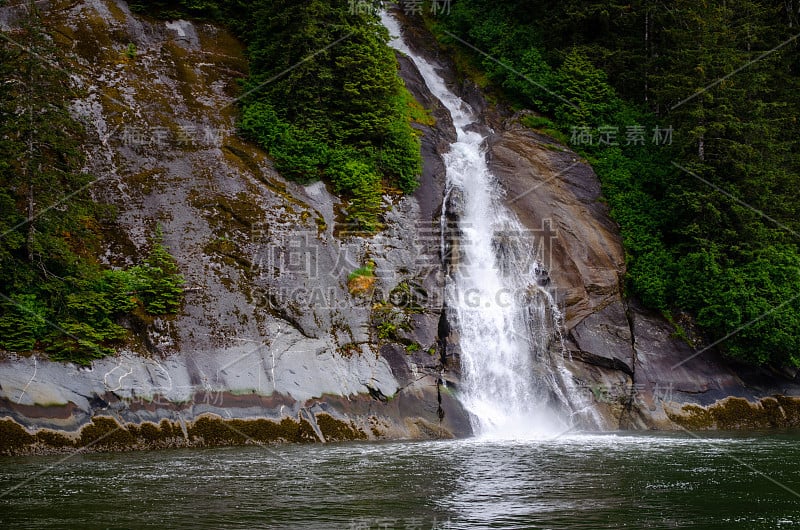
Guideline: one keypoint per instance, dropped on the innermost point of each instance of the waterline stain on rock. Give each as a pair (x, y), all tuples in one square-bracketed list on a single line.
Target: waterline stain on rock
[(737, 413), (105, 434), (13, 437), (337, 430)]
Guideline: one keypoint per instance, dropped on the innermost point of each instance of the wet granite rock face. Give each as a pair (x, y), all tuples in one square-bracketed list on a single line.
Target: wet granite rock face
[(269, 328), (626, 360)]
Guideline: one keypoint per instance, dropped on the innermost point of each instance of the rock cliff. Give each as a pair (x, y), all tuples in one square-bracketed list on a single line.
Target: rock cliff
[(273, 343), (270, 328), (630, 362)]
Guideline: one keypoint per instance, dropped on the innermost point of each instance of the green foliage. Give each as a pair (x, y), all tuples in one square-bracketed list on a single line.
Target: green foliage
[(387, 330), (538, 80), (537, 122), (54, 295), (358, 180), (335, 112), (590, 100), (23, 320), (365, 271), (157, 282), (297, 155), (416, 112), (691, 243), (79, 342), (130, 51), (76, 319), (174, 9), (398, 156), (323, 96), (118, 287), (544, 126)]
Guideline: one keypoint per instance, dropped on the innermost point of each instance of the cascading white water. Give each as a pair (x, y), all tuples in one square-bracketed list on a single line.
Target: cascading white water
[(511, 385)]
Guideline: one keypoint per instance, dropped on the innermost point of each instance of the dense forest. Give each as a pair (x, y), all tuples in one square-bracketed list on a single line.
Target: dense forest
[(688, 111)]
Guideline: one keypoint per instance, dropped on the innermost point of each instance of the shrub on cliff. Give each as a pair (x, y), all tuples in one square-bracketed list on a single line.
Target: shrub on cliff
[(325, 100)]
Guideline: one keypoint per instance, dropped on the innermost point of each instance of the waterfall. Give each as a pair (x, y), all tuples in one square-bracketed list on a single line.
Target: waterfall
[(513, 380)]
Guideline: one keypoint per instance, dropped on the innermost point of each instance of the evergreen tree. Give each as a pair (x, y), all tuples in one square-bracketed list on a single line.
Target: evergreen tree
[(709, 222), (324, 98), (54, 296)]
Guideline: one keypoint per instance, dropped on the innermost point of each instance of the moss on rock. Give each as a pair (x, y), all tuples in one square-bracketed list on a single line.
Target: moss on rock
[(106, 433), (13, 437), (337, 430), (52, 439), (738, 413), (213, 430)]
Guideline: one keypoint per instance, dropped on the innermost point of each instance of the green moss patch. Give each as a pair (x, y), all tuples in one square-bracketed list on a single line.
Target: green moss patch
[(106, 434), (54, 439)]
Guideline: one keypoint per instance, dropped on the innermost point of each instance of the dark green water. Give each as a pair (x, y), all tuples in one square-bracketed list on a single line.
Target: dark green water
[(603, 481)]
